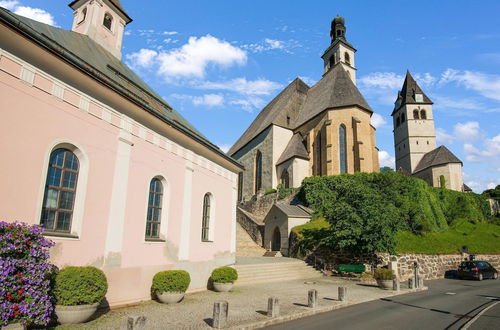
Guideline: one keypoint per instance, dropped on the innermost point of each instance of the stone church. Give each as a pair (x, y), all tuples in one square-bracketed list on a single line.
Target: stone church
[(415, 141), (306, 130)]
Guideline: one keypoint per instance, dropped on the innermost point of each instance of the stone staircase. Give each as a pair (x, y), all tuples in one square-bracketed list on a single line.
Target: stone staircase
[(264, 270), (245, 245)]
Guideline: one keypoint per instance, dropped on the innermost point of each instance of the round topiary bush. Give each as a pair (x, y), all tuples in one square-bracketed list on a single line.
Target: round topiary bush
[(80, 286), (171, 281), (224, 275), (384, 274)]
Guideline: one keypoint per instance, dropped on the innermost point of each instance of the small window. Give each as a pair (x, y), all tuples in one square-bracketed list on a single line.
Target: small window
[(347, 58), (60, 190), (419, 98), (415, 114), (417, 142), (288, 120), (153, 218), (285, 179), (205, 224), (427, 142), (402, 118), (423, 115), (398, 122), (258, 172), (108, 21), (83, 15)]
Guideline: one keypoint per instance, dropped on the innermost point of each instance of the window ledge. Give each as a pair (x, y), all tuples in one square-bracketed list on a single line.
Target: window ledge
[(207, 241), (59, 235), (154, 240)]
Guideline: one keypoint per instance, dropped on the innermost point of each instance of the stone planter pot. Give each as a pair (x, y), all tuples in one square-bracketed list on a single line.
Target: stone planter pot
[(222, 287), (385, 284), (170, 297), (75, 314)]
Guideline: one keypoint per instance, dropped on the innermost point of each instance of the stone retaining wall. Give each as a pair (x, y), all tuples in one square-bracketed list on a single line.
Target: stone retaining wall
[(433, 266), (255, 230)]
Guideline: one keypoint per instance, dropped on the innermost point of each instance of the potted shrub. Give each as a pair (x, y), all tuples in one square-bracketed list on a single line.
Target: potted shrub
[(169, 286), (384, 278), (78, 292), (223, 278)]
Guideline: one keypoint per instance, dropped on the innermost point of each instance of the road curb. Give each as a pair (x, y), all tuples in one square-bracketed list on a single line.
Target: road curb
[(285, 318)]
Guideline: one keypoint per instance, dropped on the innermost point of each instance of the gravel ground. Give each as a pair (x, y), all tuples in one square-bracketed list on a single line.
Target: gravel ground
[(247, 305)]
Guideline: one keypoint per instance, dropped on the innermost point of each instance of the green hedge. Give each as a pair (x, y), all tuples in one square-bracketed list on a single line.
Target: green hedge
[(224, 275), (171, 281), (79, 286)]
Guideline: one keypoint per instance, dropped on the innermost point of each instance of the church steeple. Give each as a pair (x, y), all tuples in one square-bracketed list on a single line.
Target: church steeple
[(103, 21), (340, 52)]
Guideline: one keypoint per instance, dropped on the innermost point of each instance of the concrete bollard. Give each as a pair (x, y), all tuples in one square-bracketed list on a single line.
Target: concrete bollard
[(136, 322), (396, 284), (342, 293), (273, 307), (312, 298), (221, 310), (420, 282), (411, 284)]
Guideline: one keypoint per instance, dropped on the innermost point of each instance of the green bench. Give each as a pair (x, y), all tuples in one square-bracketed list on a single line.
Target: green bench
[(351, 268)]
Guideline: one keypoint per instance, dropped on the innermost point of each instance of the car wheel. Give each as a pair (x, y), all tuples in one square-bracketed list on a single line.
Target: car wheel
[(480, 277)]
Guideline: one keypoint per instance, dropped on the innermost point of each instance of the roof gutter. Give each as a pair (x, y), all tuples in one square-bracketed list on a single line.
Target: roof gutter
[(83, 66)]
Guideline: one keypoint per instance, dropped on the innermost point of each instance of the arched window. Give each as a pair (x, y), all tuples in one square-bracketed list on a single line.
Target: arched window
[(258, 171), (205, 223), (403, 118), (285, 178), (83, 15), (240, 186), (153, 218), (318, 157), (415, 114), (108, 21), (423, 115), (347, 58), (60, 191), (342, 149)]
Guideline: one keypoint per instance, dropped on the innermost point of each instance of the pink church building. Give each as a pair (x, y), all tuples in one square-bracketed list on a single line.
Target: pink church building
[(117, 178)]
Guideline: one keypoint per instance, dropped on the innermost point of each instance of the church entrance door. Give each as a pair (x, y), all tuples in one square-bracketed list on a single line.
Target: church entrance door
[(276, 242)]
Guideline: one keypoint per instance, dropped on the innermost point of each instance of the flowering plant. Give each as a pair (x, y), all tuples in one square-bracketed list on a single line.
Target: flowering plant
[(24, 275)]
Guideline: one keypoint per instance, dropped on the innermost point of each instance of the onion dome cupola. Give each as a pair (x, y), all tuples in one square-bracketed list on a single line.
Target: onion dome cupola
[(338, 29)]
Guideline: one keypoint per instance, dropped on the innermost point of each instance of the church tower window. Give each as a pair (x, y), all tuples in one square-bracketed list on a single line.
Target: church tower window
[(398, 121), (347, 58), (423, 115), (415, 114), (318, 144), (402, 117), (83, 15), (342, 149), (258, 171), (108, 21)]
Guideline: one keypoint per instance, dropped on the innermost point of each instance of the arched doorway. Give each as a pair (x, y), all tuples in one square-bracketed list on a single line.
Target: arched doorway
[(276, 242)]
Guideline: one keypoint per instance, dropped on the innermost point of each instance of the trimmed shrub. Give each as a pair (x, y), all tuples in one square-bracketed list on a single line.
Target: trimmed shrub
[(25, 275), (171, 281), (269, 191), (80, 286), (224, 275), (383, 274)]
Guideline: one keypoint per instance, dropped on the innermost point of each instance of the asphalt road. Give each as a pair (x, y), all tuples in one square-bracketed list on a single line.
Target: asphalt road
[(448, 304)]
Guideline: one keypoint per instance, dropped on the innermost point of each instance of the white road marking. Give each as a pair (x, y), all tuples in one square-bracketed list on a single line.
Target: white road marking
[(450, 293), (474, 319)]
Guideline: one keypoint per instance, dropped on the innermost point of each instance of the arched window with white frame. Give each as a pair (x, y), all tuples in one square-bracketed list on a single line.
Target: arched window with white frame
[(208, 218), (108, 21), (155, 205)]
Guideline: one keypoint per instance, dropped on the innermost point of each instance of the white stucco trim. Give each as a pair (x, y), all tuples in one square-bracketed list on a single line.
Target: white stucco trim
[(81, 184), (213, 218), (186, 213), (114, 233), (232, 247)]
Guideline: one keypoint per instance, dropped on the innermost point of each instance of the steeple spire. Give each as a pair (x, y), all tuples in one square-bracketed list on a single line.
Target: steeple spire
[(338, 29)]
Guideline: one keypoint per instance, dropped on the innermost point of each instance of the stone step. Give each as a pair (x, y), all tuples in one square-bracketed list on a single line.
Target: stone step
[(245, 245), (270, 279)]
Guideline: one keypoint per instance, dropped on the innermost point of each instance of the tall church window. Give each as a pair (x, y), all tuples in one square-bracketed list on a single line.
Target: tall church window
[(398, 122), (403, 118), (415, 114), (342, 149), (423, 115), (258, 171), (285, 178), (240, 186), (205, 224), (60, 191), (108, 21), (318, 146), (347, 58), (153, 217)]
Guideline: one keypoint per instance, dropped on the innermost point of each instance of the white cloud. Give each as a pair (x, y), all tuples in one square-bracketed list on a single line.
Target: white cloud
[(224, 147), (144, 58), (443, 137), (249, 104), (491, 185), (457, 103), (272, 44), (384, 80), (493, 146), (488, 85), (192, 59), (36, 14), (170, 33), (385, 159), (308, 80), (377, 120), (467, 131), (210, 100), (243, 86), (9, 5)]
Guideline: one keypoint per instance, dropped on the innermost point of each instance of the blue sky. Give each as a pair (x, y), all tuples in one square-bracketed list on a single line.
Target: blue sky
[(220, 62)]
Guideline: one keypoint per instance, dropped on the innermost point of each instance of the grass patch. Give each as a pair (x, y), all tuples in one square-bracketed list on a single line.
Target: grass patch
[(481, 238)]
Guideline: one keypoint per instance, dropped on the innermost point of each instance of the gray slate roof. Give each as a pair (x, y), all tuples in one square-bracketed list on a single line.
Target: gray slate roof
[(301, 104), (287, 102), (88, 56), (438, 156), (407, 94), (294, 211), (295, 148)]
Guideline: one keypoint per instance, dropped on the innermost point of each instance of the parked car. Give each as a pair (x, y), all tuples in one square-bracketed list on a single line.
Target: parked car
[(477, 270)]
